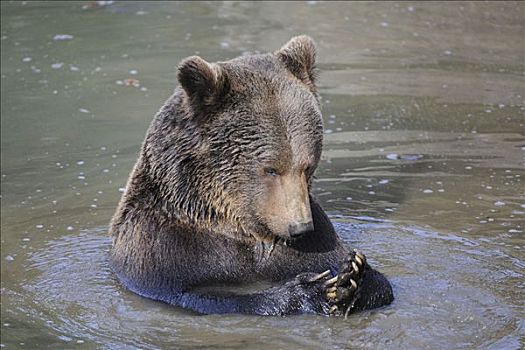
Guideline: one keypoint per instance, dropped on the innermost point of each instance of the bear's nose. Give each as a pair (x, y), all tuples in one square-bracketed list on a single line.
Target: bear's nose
[(298, 229)]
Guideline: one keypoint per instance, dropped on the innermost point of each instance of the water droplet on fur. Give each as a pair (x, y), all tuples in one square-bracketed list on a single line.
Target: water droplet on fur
[(26, 59), (499, 203), (9, 258), (39, 226)]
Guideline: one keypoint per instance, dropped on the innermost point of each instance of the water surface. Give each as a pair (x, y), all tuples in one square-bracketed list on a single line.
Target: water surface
[(422, 168)]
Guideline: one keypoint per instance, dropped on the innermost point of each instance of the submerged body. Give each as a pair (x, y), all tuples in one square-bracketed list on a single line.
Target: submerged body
[(220, 194)]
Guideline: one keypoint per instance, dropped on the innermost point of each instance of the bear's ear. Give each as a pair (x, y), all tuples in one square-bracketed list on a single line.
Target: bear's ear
[(298, 55), (203, 82)]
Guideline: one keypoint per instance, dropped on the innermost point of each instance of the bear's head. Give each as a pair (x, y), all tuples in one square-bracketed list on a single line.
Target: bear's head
[(235, 149)]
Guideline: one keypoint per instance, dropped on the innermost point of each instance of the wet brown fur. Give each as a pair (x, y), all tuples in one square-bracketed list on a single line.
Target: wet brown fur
[(199, 206)]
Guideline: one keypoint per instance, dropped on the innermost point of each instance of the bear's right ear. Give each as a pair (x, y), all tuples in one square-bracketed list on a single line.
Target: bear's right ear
[(298, 55), (204, 83)]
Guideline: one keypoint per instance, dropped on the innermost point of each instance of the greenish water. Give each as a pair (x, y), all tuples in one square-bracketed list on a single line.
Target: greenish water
[(423, 166)]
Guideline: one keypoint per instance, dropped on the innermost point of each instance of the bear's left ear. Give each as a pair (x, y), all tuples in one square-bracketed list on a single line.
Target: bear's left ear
[(204, 83), (298, 55)]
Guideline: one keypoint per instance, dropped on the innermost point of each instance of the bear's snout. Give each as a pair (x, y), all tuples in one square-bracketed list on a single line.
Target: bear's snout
[(286, 206)]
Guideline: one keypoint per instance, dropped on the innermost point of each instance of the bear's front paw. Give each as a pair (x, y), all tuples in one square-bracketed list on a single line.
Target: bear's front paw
[(343, 290)]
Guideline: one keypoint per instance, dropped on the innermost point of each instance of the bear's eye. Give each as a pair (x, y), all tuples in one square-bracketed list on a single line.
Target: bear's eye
[(271, 172)]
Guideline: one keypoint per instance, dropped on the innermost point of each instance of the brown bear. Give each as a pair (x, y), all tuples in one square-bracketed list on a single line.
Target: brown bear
[(221, 196)]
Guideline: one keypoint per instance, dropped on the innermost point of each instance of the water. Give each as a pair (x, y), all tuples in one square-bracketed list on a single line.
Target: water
[(423, 166)]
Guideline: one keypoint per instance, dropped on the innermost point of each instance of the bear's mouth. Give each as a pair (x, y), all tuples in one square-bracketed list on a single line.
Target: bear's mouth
[(300, 229)]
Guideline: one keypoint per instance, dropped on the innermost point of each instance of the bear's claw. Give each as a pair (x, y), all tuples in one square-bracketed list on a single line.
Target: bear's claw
[(330, 282), (343, 290), (319, 276)]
